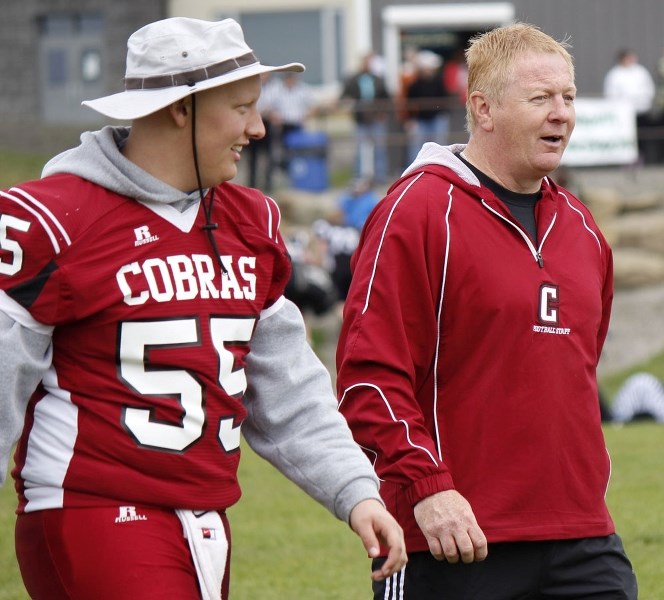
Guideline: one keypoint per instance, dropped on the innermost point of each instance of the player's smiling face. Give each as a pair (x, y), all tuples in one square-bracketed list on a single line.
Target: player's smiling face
[(536, 117), (227, 119)]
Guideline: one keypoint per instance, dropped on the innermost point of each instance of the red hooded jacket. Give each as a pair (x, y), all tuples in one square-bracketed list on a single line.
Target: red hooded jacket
[(468, 354)]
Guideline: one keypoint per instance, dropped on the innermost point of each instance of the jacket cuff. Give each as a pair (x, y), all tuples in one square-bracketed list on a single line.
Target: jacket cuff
[(429, 486)]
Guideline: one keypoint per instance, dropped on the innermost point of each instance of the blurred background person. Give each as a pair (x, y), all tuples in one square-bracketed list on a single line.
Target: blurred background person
[(366, 95), (630, 81), (292, 103), (641, 396), (357, 202), (261, 158), (657, 111), (455, 76), (428, 104)]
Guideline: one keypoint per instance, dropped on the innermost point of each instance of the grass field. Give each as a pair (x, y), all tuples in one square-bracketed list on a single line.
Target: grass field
[(19, 167), (286, 547)]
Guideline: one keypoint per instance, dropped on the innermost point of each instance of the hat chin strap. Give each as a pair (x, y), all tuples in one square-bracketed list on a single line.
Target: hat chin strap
[(209, 226)]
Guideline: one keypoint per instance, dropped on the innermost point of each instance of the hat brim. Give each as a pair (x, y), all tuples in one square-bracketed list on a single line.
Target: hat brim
[(134, 104)]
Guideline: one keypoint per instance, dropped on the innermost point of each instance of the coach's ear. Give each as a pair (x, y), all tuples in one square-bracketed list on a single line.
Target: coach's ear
[(480, 106)]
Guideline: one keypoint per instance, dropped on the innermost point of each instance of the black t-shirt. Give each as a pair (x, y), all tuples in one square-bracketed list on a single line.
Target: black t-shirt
[(522, 206)]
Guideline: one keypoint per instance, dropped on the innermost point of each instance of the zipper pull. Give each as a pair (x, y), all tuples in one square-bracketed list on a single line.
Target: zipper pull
[(540, 260)]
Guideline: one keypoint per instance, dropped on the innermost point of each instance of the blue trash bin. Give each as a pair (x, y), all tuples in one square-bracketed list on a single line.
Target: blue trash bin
[(307, 160)]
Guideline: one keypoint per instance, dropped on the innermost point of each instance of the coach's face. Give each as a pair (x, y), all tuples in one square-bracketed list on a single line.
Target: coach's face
[(533, 122)]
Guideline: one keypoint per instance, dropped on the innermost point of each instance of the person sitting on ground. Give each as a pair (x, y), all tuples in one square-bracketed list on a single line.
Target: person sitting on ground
[(641, 396)]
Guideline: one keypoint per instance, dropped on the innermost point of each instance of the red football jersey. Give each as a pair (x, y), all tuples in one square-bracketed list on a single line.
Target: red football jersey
[(143, 402)]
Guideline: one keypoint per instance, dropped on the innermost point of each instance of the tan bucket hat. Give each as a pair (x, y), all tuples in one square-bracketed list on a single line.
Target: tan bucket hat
[(170, 59)]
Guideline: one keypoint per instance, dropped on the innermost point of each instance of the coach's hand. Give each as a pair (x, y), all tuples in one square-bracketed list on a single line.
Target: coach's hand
[(450, 527), (375, 526)]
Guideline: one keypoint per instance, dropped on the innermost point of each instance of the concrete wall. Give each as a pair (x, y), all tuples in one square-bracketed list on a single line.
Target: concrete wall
[(21, 96)]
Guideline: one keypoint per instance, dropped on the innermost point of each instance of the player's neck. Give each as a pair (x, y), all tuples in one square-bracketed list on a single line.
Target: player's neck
[(161, 158)]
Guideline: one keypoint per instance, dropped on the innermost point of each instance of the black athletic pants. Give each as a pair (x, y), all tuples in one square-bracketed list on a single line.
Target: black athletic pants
[(584, 569)]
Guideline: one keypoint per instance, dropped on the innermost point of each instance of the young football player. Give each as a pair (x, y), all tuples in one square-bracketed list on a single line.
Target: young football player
[(143, 325)]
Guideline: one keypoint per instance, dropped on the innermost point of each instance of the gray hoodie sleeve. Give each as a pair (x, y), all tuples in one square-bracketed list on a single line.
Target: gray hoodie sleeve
[(26, 355), (293, 421)]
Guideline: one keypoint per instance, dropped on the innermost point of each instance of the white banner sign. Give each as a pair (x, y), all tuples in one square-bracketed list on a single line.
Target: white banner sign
[(605, 134)]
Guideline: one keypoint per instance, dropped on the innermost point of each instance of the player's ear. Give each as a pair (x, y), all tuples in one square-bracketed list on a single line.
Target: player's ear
[(180, 111)]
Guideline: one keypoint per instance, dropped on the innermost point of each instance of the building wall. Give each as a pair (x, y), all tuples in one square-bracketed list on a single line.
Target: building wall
[(345, 24), (597, 28), (22, 126)]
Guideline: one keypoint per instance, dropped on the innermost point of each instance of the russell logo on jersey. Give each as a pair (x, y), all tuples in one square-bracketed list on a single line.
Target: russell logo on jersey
[(143, 236), (128, 513)]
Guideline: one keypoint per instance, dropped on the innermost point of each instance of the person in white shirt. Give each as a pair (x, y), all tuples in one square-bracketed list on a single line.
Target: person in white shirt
[(630, 81), (292, 103)]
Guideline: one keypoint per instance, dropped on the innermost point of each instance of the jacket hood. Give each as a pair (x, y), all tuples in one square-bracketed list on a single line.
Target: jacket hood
[(445, 156), (99, 159), (434, 155)]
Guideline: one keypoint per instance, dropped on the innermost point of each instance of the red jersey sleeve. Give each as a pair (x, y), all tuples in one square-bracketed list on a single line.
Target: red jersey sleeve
[(32, 238)]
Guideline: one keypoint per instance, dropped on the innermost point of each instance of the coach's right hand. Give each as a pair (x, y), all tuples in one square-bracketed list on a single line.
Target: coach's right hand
[(450, 527)]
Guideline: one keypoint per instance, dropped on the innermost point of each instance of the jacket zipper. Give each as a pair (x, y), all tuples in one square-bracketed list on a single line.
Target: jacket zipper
[(536, 252)]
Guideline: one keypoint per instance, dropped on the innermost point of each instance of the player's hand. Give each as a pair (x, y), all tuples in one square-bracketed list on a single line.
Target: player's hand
[(450, 527), (375, 526)]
